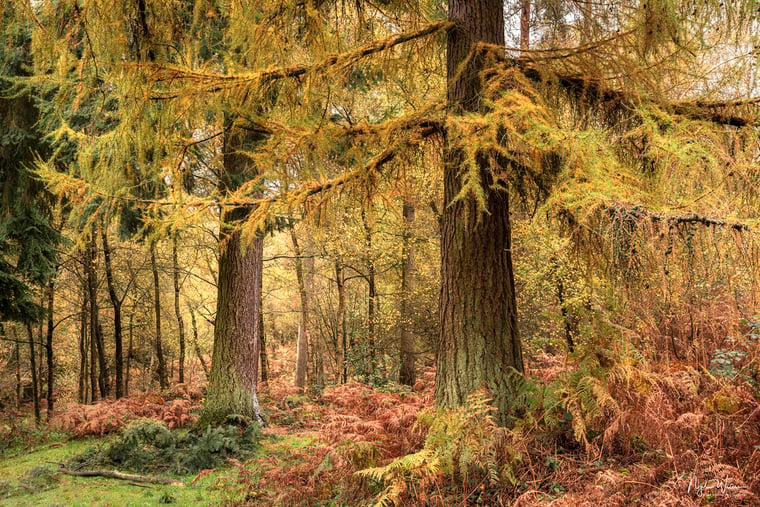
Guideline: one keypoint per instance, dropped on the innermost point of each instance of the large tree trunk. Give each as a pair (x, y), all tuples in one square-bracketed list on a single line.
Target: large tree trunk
[(478, 341), (161, 363), (177, 312), (234, 363), (116, 303), (302, 345), (407, 347)]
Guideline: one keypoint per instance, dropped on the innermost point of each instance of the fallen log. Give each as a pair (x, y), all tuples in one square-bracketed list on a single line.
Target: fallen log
[(113, 474)]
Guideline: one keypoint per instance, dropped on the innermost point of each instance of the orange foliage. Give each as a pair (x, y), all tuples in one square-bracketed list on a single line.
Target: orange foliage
[(111, 415)]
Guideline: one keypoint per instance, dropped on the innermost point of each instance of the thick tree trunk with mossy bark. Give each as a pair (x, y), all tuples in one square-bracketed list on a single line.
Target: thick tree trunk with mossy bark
[(234, 363), (478, 342)]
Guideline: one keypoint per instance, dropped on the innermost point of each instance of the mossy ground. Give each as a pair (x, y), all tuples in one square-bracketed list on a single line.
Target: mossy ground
[(58, 489)]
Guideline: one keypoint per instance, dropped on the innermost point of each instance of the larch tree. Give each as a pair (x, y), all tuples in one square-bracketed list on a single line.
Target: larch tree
[(479, 343), (270, 79)]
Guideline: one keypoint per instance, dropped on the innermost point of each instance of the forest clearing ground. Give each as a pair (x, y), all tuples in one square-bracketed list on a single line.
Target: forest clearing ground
[(670, 433)]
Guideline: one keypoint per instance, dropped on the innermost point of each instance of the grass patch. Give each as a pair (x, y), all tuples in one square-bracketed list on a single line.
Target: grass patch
[(52, 488)]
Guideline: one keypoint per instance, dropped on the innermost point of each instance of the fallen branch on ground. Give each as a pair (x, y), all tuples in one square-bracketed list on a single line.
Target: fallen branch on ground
[(113, 474)]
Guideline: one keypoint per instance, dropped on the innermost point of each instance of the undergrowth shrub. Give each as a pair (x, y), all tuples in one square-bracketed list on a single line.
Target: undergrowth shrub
[(463, 445), (109, 416), (23, 433), (147, 445)]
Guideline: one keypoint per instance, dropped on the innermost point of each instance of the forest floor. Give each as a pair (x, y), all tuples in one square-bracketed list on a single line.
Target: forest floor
[(669, 434)]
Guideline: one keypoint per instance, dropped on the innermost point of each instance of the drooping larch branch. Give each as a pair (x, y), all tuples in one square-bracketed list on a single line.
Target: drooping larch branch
[(741, 112), (211, 82), (637, 213)]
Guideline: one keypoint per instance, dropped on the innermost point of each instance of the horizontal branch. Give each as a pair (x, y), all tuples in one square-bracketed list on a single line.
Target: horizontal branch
[(596, 90), (219, 82), (639, 213)]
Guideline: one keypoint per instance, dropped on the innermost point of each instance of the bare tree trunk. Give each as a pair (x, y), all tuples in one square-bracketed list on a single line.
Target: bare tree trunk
[(17, 360), (93, 319), (371, 331), (129, 358), (33, 368), (177, 312), (83, 347), (263, 359), (49, 346), (408, 350), (339, 280), (302, 345), (524, 24), (41, 359), (161, 363), (96, 331), (116, 303), (569, 327), (198, 351)]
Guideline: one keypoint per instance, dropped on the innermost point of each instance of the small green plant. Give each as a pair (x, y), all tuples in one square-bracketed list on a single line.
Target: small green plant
[(166, 497), (39, 478), (726, 362)]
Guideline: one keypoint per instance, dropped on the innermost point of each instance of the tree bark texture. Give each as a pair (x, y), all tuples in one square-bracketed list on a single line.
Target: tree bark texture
[(234, 363), (478, 341), (160, 361), (407, 345)]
